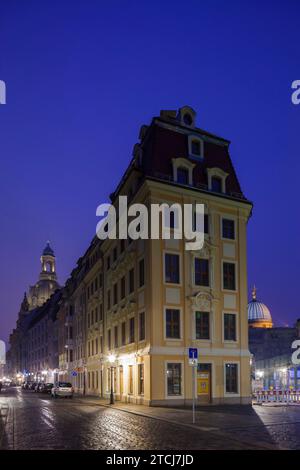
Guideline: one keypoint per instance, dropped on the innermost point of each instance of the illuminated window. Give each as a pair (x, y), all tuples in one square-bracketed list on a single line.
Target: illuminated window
[(174, 378)]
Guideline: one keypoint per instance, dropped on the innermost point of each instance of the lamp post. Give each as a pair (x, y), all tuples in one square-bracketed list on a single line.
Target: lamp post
[(111, 359)]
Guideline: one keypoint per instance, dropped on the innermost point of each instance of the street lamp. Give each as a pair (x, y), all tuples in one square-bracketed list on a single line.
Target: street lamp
[(111, 360)]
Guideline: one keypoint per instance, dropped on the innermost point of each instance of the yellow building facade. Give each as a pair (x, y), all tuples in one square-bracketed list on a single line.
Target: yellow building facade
[(144, 303)]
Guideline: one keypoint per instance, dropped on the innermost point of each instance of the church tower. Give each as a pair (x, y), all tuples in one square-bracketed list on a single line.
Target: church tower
[(47, 283)]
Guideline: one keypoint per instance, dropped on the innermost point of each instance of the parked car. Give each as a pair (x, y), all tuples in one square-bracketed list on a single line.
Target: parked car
[(46, 387), (62, 389)]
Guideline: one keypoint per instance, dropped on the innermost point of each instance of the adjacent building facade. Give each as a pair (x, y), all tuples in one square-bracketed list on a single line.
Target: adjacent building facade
[(131, 308), (271, 349)]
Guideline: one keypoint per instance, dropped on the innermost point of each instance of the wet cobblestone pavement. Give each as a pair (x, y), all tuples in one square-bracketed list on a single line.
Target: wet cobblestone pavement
[(31, 421)]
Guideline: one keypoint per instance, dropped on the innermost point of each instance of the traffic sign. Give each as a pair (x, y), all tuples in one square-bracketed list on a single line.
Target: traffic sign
[(193, 356), (193, 353)]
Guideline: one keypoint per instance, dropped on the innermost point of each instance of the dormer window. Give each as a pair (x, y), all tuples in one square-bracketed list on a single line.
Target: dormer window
[(216, 184), (196, 147), (183, 171), (182, 176), (187, 116), (216, 180), (187, 119)]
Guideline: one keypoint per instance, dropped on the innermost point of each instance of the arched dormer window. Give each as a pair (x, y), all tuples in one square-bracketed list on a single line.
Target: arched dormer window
[(183, 171), (187, 116), (196, 147), (216, 180)]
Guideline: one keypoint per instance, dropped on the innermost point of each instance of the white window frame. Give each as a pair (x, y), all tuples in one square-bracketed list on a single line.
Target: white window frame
[(197, 286), (217, 172), (228, 217), (236, 276), (174, 397), (229, 394), (173, 307), (191, 138), (229, 341), (209, 340), (172, 252), (183, 163)]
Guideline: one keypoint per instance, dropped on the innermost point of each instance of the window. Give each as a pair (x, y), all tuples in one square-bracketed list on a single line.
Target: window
[(141, 273), (172, 323), (130, 379), (172, 268), (229, 276), (101, 312), (131, 330), (123, 330), (108, 263), (216, 184), (100, 280), (123, 287), (115, 254), (229, 327), (96, 346), (196, 148), (228, 229), (201, 272), (231, 378), (187, 119), (116, 337), (141, 379), (131, 280), (141, 326), (109, 339), (174, 379), (202, 325), (182, 175), (108, 299), (115, 293), (101, 344)]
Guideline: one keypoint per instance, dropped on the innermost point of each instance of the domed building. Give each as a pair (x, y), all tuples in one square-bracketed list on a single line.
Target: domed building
[(259, 315)]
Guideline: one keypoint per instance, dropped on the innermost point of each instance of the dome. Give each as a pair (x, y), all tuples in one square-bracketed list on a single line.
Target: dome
[(48, 250), (258, 313)]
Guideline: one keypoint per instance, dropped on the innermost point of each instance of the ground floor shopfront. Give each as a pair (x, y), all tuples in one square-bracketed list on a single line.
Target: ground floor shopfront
[(155, 379)]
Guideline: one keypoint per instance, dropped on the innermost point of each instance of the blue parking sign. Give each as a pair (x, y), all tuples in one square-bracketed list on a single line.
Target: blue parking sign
[(193, 353)]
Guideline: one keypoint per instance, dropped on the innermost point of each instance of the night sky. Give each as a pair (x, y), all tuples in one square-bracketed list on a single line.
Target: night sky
[(83, 76)]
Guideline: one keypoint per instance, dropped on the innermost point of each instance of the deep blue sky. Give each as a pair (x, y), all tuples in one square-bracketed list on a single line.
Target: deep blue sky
[(82, 77)]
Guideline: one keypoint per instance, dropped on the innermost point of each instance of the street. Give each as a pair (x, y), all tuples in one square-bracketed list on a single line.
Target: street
[(35, 421)]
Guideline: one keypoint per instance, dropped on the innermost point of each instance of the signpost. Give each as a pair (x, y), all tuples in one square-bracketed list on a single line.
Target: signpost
[(193, 361)]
